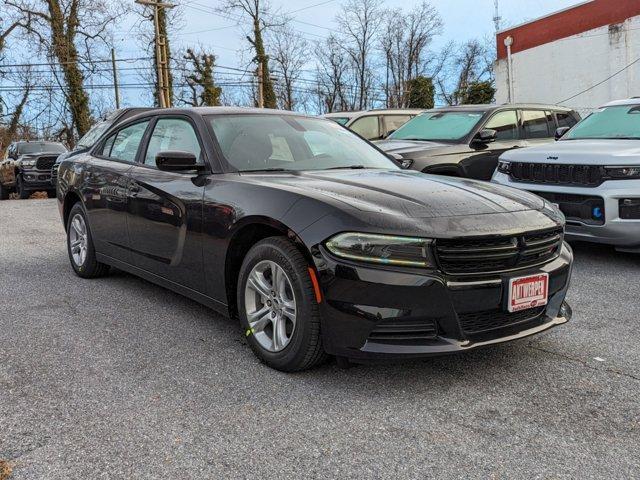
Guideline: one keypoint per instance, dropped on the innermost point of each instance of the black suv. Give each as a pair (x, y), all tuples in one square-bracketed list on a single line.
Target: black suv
[(466, 140), (27, 168)]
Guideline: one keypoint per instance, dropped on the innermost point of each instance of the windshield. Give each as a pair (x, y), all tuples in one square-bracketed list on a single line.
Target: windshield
[(438, 126), (284, 142), (619, 122), (94, 134), (339, 120), (39, 147)]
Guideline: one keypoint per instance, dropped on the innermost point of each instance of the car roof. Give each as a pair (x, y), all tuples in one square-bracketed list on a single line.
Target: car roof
[(491, 107), (376, 111), (626, 101)]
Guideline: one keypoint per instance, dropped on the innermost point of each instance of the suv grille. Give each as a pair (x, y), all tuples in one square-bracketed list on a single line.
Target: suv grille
[(486, 255), (478, 322), (46, 163), (583, 175)]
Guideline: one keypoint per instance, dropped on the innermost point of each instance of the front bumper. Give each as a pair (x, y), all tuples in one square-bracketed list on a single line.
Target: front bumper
[(616, 231), (36, 179), (379, 313)]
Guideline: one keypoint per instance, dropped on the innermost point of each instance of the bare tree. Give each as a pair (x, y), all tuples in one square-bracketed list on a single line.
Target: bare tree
[(259, 13), (198, 76), (470, 64), (404, 42), (290, 53), (331, 76), (69, 30), (360, 20)]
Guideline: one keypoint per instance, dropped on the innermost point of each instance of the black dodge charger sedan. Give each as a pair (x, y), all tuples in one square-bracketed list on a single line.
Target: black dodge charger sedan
[(318, 242)]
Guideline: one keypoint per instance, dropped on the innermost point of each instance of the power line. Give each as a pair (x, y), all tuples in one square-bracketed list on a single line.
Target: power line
[(600, 83)]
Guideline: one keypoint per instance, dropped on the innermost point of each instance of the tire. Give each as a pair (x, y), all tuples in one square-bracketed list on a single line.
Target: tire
[(20, 190), (304, 349), (4, 193), (51, 194), (85, 265)]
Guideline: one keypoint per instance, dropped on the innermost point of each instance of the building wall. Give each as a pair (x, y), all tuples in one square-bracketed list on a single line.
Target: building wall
[(555, 71)]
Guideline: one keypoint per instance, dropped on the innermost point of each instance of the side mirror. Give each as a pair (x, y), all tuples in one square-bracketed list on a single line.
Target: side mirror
[(403, 163), (176, 161), (561, 131), (485, 135)]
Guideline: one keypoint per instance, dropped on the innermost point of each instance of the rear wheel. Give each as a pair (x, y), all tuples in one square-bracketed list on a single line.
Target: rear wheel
[(278, 308), (80, 246), (51, 194), (23, 194)]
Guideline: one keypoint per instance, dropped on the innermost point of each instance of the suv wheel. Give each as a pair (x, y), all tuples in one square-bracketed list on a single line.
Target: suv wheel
[(278, 308), (4, 192), (80, 246), (23, 194)]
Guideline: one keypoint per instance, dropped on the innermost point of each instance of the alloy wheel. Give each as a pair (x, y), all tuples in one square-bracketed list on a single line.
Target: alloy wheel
[(270, 306), (78, 241)]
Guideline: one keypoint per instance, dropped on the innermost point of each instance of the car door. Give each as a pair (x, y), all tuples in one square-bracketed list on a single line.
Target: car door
[(538, 127), (165, 208), (105, 189), (483, 161)]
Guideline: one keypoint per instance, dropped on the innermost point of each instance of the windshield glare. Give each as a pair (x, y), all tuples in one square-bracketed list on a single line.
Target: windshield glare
[(438, 126), (270, 142), (39, 147), (618, 122)]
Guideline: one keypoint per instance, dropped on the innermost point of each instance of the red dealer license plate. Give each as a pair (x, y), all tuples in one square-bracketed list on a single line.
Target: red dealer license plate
[(528, 292)]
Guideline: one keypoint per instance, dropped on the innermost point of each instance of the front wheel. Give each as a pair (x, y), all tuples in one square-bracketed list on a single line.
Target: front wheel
[(23, 193), (82, 253), (4, 192), (278, 309)]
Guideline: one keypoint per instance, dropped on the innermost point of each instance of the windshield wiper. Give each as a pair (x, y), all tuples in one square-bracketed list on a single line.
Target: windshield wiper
[(257, 170), (347, 167)]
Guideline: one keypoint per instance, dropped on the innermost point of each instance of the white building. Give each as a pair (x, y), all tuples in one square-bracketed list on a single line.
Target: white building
[(580, 57)]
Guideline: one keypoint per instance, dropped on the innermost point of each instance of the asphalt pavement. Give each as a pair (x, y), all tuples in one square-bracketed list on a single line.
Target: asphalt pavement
[(119, 378)]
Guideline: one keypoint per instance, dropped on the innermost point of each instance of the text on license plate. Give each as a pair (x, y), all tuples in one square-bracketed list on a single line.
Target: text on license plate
[(528, 292)]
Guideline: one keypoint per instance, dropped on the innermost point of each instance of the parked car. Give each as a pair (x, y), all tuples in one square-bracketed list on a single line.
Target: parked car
[(312, 237), (374, 124), (27, 168), (92, 136), (592, 173), (466, 140)]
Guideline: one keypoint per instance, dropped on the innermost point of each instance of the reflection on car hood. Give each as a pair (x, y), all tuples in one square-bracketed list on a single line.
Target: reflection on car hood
[(582, 152), (407, 146), (404, 192)]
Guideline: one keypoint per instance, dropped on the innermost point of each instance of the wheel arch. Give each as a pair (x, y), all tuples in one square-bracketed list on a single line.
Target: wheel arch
[(246, 235), (450, 169), (70, 199)]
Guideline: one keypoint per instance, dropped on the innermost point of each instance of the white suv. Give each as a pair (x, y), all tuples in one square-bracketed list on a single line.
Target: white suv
[(592, 173)]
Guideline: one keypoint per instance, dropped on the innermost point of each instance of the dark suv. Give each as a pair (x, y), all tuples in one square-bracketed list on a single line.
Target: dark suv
[(466, 140), (27, 168)]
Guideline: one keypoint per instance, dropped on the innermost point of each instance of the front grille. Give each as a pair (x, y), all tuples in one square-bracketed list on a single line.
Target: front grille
[(404, 330), (46, 162), (479, 322), (556, 174), (578, 208), (497, 254)]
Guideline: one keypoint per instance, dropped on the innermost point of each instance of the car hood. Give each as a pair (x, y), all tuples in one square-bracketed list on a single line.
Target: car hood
[(403, 192), (583, 152), (403, 147)]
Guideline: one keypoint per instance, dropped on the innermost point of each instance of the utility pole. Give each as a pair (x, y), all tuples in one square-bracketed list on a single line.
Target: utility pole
[(115, 78), (164, 96), (497, 19), (260, 86)]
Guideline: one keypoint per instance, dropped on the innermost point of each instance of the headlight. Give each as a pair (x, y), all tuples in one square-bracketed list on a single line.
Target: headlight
[(504, 167), (383, 249), (623, 173), (28, 163)]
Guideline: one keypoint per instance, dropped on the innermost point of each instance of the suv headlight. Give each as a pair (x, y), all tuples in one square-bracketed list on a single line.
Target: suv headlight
[(382, 249), (28, 163), (623, 173)]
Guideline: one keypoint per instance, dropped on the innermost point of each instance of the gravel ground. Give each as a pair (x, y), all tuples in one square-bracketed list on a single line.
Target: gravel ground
[(118, 378)]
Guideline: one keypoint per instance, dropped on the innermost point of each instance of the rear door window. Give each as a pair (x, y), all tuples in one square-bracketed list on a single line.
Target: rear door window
[(367, 127), (394, 122), (565, 119), (535, 124), (505, 124)]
